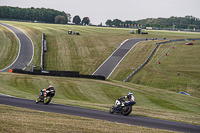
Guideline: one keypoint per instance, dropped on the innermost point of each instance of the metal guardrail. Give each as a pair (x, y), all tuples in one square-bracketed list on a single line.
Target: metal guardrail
[(42, 51), (142, 65)]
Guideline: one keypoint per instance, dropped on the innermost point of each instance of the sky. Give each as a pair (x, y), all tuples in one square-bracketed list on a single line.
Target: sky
[(99, 11)]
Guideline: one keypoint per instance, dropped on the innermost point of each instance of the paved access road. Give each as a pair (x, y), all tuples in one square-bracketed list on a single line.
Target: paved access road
[(116, 57), (97, 114), (26, 49)]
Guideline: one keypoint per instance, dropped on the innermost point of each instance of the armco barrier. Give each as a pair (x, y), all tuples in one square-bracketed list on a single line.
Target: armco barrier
[(74, 74), (42, 52), (45, 46), (142, 65)]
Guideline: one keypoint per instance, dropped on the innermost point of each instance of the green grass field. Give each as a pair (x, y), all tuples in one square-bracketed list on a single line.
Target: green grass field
[(155, 87)]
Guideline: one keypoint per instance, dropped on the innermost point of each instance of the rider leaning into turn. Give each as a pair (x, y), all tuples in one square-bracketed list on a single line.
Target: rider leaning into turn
[(43, 91), (130, 97)]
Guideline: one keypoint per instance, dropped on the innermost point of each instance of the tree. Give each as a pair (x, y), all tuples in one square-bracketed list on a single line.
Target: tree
[(192, 26), (116, 22), (128, 23), (86, 21), (147, 25), (109, 22), (60, 19), (100, 24), (76, 20)]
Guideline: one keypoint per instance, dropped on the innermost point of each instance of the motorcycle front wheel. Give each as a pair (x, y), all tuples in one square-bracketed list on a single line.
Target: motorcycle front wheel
[(127, 111), (112, 110), (47, 100), (37, 100)]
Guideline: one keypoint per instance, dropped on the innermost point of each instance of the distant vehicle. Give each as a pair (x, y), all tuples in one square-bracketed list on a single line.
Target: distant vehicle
[(189, 43), (181, 92), (132, 31)]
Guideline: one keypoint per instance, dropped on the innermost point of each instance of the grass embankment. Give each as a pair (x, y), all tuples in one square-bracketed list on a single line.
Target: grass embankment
[(15, 119), (9, 47), (183, 59), (151, 102)]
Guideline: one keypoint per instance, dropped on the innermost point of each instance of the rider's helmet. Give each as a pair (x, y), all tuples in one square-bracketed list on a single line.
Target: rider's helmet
[(50, 85), (130, 93)]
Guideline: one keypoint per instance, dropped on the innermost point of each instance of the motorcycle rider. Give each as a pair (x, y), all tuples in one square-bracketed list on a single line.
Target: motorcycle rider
[(130, 97), (43, 92)]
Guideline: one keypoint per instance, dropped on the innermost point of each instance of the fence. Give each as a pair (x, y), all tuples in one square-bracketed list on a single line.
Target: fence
[(157, 45), (74, 74)]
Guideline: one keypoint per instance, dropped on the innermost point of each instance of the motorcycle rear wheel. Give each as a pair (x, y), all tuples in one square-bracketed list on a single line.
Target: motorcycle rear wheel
[(48, 99)]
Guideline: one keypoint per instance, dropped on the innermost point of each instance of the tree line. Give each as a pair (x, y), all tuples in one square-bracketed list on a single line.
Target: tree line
[(187, 22), (40, 15), (34, 14)]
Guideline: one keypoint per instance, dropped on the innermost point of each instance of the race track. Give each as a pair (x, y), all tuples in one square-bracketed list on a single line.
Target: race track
[(109, 65), (26, 50), (97, 114)]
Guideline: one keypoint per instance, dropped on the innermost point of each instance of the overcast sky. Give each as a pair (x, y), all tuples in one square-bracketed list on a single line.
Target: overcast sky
[(101, 10)]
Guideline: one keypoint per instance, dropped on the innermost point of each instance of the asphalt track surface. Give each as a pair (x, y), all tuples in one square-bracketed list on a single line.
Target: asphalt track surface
[(26, 49), (97, 114), (109, 65), (25, 56)]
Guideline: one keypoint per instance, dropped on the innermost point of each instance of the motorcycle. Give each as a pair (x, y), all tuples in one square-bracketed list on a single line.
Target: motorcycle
[(124, 107), (46, 99)]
